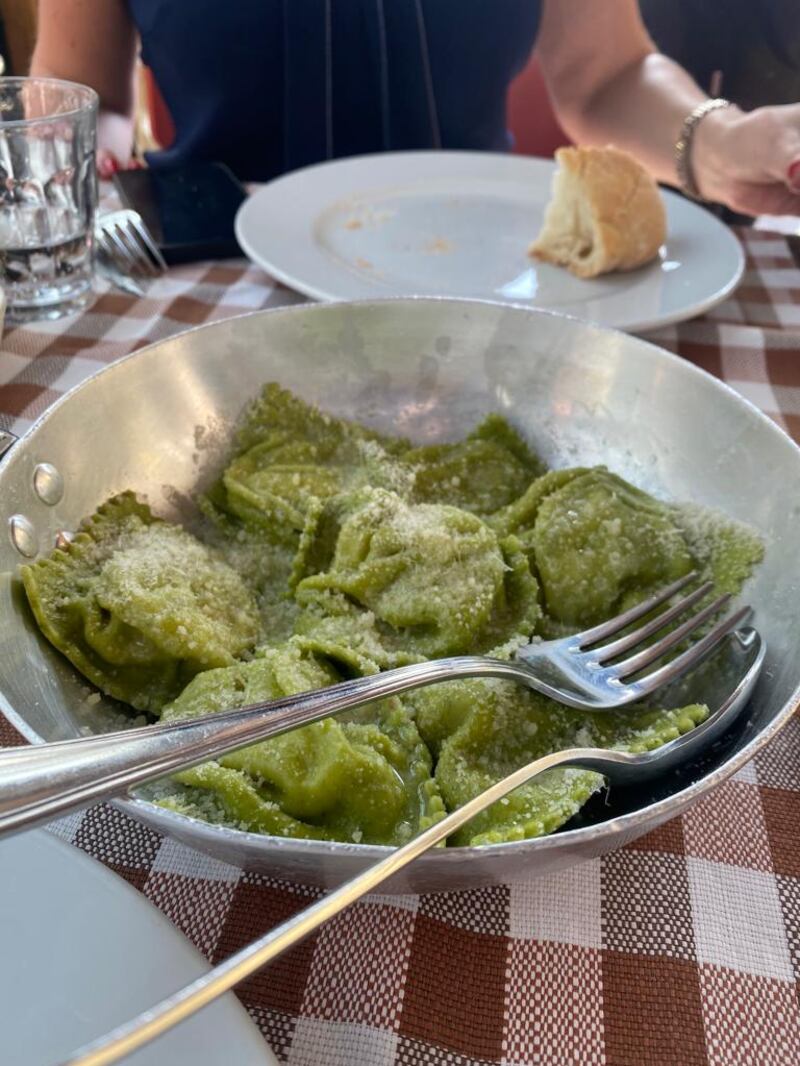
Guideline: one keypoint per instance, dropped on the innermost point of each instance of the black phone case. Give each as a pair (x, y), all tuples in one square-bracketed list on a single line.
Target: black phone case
[(189, 210)]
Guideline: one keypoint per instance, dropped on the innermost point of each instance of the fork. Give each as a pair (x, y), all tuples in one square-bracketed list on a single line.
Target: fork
[(729, 694), (45, 781), (124, 240)]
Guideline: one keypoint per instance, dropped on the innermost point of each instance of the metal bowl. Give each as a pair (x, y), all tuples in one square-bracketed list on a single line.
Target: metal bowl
[(160, 422)]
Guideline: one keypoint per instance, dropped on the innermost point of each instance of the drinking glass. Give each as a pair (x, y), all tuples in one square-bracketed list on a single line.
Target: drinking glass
[(48, 194)]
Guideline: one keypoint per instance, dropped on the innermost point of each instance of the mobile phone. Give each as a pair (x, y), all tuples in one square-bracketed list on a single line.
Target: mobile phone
[(189, 210)]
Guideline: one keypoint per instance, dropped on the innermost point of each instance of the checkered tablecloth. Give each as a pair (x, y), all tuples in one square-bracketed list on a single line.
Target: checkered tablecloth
[(681, 948)]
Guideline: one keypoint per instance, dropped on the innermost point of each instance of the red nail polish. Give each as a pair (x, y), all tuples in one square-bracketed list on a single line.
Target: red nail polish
[(794, 175), (107, 167)]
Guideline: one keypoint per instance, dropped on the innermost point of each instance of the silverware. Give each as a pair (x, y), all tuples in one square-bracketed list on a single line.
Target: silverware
[(45, 781), (112, 273), (621, 767), (124, 241), (118, 280)]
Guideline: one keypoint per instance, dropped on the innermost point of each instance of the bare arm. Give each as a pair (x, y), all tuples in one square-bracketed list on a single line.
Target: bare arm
[(93, 42), (609, 84)]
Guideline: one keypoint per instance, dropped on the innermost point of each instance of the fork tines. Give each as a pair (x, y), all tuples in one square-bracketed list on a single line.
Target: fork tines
[(639, 661), (123, 238)]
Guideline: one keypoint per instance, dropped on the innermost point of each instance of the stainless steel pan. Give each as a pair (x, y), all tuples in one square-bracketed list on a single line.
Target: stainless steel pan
[(160, 422)]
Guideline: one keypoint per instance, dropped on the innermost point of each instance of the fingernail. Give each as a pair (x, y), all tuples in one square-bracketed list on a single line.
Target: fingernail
[(107, 167), (793, 175)]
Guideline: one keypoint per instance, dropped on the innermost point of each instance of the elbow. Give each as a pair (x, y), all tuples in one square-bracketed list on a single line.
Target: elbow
[(574, 101), (581, 94), (573, 122), (575, 116)]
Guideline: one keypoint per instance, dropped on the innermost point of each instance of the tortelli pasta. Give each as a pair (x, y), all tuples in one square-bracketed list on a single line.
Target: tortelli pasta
[(363, 776), (139, 606), (333, 551)]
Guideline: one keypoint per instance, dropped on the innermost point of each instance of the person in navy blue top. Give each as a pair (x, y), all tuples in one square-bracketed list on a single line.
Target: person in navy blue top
[(267, 86), (282, 84)]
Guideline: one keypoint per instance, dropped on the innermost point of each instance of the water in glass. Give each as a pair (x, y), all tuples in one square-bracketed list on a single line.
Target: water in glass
[(48, 194)]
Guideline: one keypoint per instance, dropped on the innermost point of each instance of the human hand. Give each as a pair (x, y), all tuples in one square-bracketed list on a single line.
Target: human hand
[(108, 164), (750, 161)]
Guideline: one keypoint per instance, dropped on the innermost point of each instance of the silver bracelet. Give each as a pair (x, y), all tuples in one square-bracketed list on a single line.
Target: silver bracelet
[(683, 145)]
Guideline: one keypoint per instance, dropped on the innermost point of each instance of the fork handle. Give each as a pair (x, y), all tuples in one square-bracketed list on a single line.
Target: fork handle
[(45, 781), (151, 1023)]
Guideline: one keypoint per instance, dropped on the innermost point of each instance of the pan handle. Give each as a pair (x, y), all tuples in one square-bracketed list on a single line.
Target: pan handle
[(6, 440)]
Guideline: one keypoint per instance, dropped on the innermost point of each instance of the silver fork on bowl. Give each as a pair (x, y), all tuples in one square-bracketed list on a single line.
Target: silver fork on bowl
[(731, 695), (127, 249), (45, 781)]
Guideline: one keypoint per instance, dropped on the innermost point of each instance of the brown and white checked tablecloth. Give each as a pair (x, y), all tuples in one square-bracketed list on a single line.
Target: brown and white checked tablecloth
[(682, 948)]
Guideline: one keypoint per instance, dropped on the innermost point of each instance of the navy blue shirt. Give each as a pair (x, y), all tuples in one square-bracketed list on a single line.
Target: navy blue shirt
[(270, 85)]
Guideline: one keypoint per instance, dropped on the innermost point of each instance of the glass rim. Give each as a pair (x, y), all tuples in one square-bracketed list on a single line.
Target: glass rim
[(91, 101)]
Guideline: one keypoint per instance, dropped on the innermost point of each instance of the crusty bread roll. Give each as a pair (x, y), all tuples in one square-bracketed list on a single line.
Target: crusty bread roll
[(605, 213)]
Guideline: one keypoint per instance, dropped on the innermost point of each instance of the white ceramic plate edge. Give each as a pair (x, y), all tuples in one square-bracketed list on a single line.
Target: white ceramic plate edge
[(55, 892), (246, 223)]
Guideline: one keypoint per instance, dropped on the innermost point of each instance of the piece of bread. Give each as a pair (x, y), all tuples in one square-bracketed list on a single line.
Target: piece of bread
[(605, 213)]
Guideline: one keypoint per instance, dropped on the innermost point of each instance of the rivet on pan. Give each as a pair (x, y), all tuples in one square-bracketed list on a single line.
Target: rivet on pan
[(23, 535), (64, 538), (48, 484)]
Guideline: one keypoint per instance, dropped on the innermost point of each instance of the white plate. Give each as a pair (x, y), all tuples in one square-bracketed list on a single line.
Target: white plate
[(83, 951), (459, 224)]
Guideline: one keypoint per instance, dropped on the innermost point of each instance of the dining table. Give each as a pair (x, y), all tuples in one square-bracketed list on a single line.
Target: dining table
[(681, 947)]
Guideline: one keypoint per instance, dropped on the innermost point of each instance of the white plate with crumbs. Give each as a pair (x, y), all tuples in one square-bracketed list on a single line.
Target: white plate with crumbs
[(459, 224), (83, 951)]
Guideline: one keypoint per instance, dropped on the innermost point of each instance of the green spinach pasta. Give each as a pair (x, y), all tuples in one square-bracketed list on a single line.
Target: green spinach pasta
[(332, 551)]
